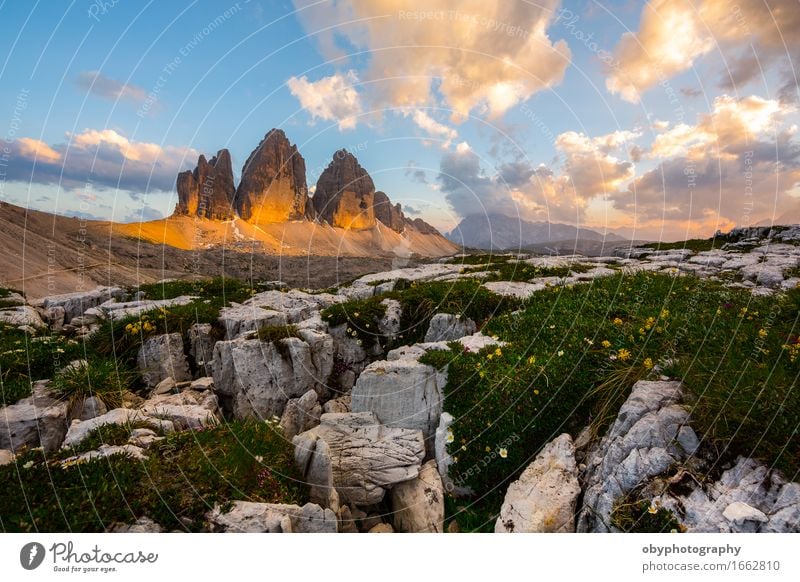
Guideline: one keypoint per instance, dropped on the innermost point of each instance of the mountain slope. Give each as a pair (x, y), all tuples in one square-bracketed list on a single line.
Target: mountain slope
[(500, 232)]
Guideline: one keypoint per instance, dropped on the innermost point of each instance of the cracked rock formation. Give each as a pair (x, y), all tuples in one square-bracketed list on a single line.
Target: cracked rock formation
[(208, 190)]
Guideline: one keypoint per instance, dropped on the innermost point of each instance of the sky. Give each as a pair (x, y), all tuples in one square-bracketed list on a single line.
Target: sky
[(660, 120)]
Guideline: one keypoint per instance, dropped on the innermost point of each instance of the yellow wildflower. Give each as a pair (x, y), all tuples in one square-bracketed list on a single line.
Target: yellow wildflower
[(762, 333), (623, 354), (503, 453), (617, 321), (606, 344), (498, 352), (532, 360), (648, 363)]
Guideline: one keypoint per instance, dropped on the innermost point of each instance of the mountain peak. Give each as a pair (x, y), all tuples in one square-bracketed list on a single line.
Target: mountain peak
[(207, 191), (273, 186), (345, 194)]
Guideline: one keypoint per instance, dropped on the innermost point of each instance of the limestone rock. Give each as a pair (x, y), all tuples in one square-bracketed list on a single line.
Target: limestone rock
[(142, 525), (80, 429), (301, 414), (446, 327), (345, 194), (208, 190), (39, 420), (6, 457), (201, 346), (21, 315), (544, 498), (161, 357), (77, 303), (261, 377), (273, 185), (249, 517), (357, 457), (418, 505), (641, 444), (401, 393), (382, 528), (185, 410)]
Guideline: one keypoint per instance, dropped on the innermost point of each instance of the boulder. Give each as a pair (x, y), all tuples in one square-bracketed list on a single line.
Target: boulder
[(161, 357), (142, 525), (641, 444), (76, 304), (185, 410), (354, 458), (446, 327), (37, 421), (260, 377), (21, 315), (207, 191), (250, 517), (80, 429), (88, 408), (544, 498), (273, 185), (6, 457), (418, 504), (201, 346), (401, 393), (301, 414), (381, 528)]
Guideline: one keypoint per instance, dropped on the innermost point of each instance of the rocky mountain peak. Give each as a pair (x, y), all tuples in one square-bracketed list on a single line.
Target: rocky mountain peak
[(207, 191), (345, 194), (390, 215), (273, 186)]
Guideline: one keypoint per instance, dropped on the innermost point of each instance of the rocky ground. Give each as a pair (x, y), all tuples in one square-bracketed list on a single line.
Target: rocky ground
[(356, 408)]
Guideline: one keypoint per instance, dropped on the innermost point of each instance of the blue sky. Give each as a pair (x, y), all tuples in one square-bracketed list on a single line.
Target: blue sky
[(105, 102)]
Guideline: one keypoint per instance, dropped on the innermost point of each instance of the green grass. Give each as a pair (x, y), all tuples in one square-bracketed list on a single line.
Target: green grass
[(479, 259), (574, 353), (632, 515), (107, 379), (420, 302), (521, 271), (274, 333), (24, 359), (361, 316), (694, 244), (224, 288), (185, 475)]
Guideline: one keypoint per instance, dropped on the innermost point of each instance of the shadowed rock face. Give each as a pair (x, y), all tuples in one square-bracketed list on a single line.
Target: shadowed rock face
[(208, 190), (345, 194), (273, 186), (391, 216)]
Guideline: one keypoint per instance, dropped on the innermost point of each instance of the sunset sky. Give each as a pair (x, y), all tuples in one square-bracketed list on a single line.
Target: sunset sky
[(666, 119)]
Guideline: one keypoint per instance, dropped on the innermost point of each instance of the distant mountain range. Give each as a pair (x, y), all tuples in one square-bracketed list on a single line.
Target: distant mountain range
[(500, 232)]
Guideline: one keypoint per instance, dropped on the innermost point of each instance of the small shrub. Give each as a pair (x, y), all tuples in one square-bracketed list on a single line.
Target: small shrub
[(275, 333), (361, 317), (106, 379)]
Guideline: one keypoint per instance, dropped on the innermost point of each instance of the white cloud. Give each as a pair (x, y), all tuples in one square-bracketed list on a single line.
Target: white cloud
[(331, 98), (443, 133), (476, 55), (752, 35), (99, 85), (103, 158)]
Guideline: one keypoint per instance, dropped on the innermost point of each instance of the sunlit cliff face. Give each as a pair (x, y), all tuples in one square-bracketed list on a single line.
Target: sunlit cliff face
[(354, 211), (278, 203)]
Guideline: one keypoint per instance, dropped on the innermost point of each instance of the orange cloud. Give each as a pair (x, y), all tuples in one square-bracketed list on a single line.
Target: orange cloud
[(38, 150), (478, 55)]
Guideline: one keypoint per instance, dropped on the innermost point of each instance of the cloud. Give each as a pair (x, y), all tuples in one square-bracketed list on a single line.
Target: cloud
[(331, 98), (674, 34), (738, 165), (143, 214), (444, 134), (515, 189), (474, 55), (102, 159), (104, 87), (416, 174)]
